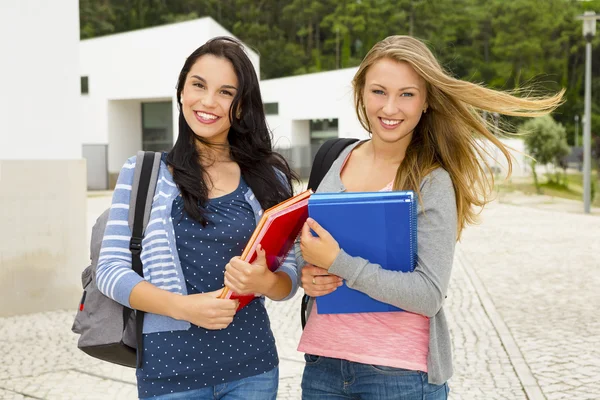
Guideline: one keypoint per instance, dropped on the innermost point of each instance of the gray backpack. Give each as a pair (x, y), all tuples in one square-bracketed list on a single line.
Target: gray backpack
[(109, 331)]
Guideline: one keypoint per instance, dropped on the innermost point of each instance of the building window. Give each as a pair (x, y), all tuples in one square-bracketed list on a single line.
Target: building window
[(157, 126), (322, 130), (85, 85), (271, 108)]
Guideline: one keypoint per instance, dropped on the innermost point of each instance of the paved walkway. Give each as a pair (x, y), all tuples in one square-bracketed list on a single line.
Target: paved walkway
[(540, 271), (521, 310)]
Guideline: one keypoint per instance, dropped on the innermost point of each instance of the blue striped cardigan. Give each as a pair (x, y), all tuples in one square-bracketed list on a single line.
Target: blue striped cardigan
[(160, 259)]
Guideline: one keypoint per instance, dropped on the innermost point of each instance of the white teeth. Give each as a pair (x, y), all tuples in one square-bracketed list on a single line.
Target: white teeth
[(205, 116), (390, 122)]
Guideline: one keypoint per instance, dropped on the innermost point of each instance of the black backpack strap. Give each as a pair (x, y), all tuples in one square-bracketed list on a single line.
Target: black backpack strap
[(142, 194), (303, 307), (326, 155)]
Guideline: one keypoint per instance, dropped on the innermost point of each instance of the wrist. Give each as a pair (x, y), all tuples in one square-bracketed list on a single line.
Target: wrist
[(176, 306), (332, 258), (268, 283)]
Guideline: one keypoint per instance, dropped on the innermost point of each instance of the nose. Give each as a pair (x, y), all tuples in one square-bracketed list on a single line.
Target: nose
[(391, 106), (208, 100)]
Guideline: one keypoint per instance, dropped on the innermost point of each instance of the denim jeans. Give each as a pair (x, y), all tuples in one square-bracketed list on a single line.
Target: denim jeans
[(332, 378), (258, 387)]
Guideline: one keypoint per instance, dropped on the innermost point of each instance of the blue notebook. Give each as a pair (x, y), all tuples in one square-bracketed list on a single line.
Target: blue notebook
[(378, 226)]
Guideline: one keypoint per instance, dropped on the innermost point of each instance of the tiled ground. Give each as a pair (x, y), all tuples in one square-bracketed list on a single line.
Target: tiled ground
[(521, 310)]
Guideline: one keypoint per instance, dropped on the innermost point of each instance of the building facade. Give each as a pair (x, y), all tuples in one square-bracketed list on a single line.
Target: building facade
[(128, 97), (42, 173)]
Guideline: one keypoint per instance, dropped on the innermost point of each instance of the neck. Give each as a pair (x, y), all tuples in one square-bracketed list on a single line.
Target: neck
[(213, 153), (388, 153)]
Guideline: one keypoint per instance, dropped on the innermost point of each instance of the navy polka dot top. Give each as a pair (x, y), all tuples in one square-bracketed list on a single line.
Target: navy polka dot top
[(178, 361)]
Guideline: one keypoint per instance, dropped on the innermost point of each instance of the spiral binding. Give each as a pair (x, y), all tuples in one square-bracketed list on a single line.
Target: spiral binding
[(413, 230)]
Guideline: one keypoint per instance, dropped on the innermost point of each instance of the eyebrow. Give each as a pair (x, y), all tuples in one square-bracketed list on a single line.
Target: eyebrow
[(222, 86), (403, 88)]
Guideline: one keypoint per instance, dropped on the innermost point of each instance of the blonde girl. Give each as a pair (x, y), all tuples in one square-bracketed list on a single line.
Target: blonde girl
[(426, 135)]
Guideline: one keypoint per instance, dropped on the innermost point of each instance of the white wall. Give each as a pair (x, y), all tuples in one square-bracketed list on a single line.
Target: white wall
[(42, 175), (312, 96), (43, 249), (281, 127), (125, 131), (300, 132), (94, 119), (520, 160), (39, 80), (141, 65)]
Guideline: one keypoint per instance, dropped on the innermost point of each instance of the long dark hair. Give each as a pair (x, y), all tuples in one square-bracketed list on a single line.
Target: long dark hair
[(266, 172)]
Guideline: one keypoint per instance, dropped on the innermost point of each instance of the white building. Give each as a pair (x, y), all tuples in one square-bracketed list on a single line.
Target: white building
[(128, 92), (303, 111), (42, 173), (129, 103)]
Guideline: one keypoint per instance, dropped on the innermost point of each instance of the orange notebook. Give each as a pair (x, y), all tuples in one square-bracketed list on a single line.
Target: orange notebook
[(276, 232)]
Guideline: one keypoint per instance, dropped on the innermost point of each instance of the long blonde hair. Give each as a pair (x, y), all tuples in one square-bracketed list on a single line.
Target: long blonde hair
[(449, 134)]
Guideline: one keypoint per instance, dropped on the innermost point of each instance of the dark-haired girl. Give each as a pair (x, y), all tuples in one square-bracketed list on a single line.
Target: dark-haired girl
[(211, 190)]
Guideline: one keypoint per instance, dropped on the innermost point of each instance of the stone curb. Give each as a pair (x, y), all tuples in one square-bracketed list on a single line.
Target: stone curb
[(528, 381)]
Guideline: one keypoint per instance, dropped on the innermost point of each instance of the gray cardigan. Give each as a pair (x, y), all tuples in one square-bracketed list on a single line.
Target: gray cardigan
[(424, 290)]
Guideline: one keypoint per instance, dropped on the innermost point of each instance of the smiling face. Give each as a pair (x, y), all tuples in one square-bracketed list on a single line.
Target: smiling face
[(206, 98), (394, 96)]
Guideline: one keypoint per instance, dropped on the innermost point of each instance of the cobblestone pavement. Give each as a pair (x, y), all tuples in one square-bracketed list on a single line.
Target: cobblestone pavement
[(520, 311), (542, 272)]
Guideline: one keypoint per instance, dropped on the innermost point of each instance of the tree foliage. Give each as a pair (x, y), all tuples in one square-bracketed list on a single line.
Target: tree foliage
[(545, 141)]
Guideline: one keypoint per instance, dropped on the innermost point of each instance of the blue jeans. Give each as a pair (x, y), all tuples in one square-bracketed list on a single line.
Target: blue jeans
[(258, 387), (332, 378)]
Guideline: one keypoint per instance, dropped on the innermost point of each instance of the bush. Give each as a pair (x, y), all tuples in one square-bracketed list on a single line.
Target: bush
[(546, 142)]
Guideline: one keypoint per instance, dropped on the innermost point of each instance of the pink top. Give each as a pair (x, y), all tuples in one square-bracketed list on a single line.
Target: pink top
[(394, 339)]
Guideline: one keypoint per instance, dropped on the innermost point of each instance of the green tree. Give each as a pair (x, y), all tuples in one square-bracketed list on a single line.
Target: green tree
[(545, 141), (96, 18)]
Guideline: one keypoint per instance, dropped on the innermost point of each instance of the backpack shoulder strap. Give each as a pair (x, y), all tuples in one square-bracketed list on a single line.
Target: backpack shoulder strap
[(326, 155), (147, 164)]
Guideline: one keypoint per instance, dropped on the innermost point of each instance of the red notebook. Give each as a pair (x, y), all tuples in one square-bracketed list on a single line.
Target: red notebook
[(276, 232)]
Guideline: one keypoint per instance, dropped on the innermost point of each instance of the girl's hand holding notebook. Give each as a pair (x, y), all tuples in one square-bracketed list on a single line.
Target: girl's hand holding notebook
[(275, 233), (246, 279)]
